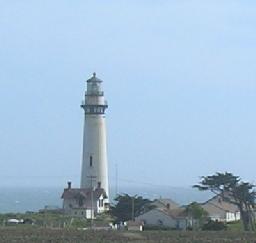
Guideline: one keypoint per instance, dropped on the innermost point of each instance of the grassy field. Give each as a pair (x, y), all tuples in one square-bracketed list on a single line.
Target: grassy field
[(32, 234), (48, 228)]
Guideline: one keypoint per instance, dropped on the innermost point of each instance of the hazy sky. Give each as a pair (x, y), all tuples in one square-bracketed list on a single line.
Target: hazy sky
[(179, 76)]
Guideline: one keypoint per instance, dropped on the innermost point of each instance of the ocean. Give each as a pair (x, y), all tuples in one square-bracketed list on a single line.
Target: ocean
[(32, 199)]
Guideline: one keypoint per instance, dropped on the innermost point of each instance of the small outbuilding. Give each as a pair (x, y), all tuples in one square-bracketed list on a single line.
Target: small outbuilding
[(134, 225)]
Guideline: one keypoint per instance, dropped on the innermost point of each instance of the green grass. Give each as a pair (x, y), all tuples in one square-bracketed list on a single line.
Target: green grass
[(58, 228), (235, 226)]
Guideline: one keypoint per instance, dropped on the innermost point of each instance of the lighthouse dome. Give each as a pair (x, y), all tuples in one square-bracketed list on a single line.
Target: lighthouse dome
[(94, 79)]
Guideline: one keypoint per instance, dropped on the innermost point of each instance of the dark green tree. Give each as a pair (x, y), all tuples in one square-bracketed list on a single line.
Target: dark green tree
[(127, 207), (233, 190)]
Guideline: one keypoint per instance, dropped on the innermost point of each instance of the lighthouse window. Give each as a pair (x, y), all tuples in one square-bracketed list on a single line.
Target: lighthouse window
[(90, 161)]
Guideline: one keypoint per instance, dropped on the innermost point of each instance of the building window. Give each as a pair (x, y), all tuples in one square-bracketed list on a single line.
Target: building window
[(80, 201), (101, 203), (177, 224), (159, 222), (90, 161)]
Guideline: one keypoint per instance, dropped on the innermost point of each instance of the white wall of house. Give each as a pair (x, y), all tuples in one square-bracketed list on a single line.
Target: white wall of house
[(225, 216), (90, 214), (218, 214), (158, 218), (230, 216), (72, 208)]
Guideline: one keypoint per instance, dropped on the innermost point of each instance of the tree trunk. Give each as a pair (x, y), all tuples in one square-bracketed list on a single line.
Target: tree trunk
[(245, 220), (250, 214)]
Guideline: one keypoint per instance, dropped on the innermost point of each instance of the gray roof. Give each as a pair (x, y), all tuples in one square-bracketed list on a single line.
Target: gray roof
[(217, 204), (177, 213), (85, 193), (165, 203)]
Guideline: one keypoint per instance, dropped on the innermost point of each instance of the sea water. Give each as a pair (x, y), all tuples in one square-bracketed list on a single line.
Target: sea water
[(34, 199)]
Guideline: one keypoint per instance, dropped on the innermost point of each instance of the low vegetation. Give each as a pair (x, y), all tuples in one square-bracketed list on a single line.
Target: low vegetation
[(52, 220), (57, 228), (29, 235)]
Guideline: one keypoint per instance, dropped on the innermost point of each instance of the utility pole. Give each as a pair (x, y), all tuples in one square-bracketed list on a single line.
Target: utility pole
[(116, 179), (92, 210)]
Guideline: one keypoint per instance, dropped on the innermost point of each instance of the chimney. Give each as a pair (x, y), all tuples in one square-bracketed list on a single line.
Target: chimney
[(168, 205), (99, 184), (69, 184)]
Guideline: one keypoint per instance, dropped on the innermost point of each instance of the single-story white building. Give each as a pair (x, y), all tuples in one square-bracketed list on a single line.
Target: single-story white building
[(221, 210), (175, 219)]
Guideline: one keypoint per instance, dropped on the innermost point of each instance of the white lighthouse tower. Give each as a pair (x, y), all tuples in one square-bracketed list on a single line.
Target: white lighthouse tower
[(94, 163)]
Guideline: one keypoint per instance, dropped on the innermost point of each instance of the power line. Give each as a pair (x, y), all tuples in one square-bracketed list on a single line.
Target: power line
[(116, 178)]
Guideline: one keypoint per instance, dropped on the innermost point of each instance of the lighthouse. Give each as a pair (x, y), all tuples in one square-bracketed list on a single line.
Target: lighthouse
[(94, 172)]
